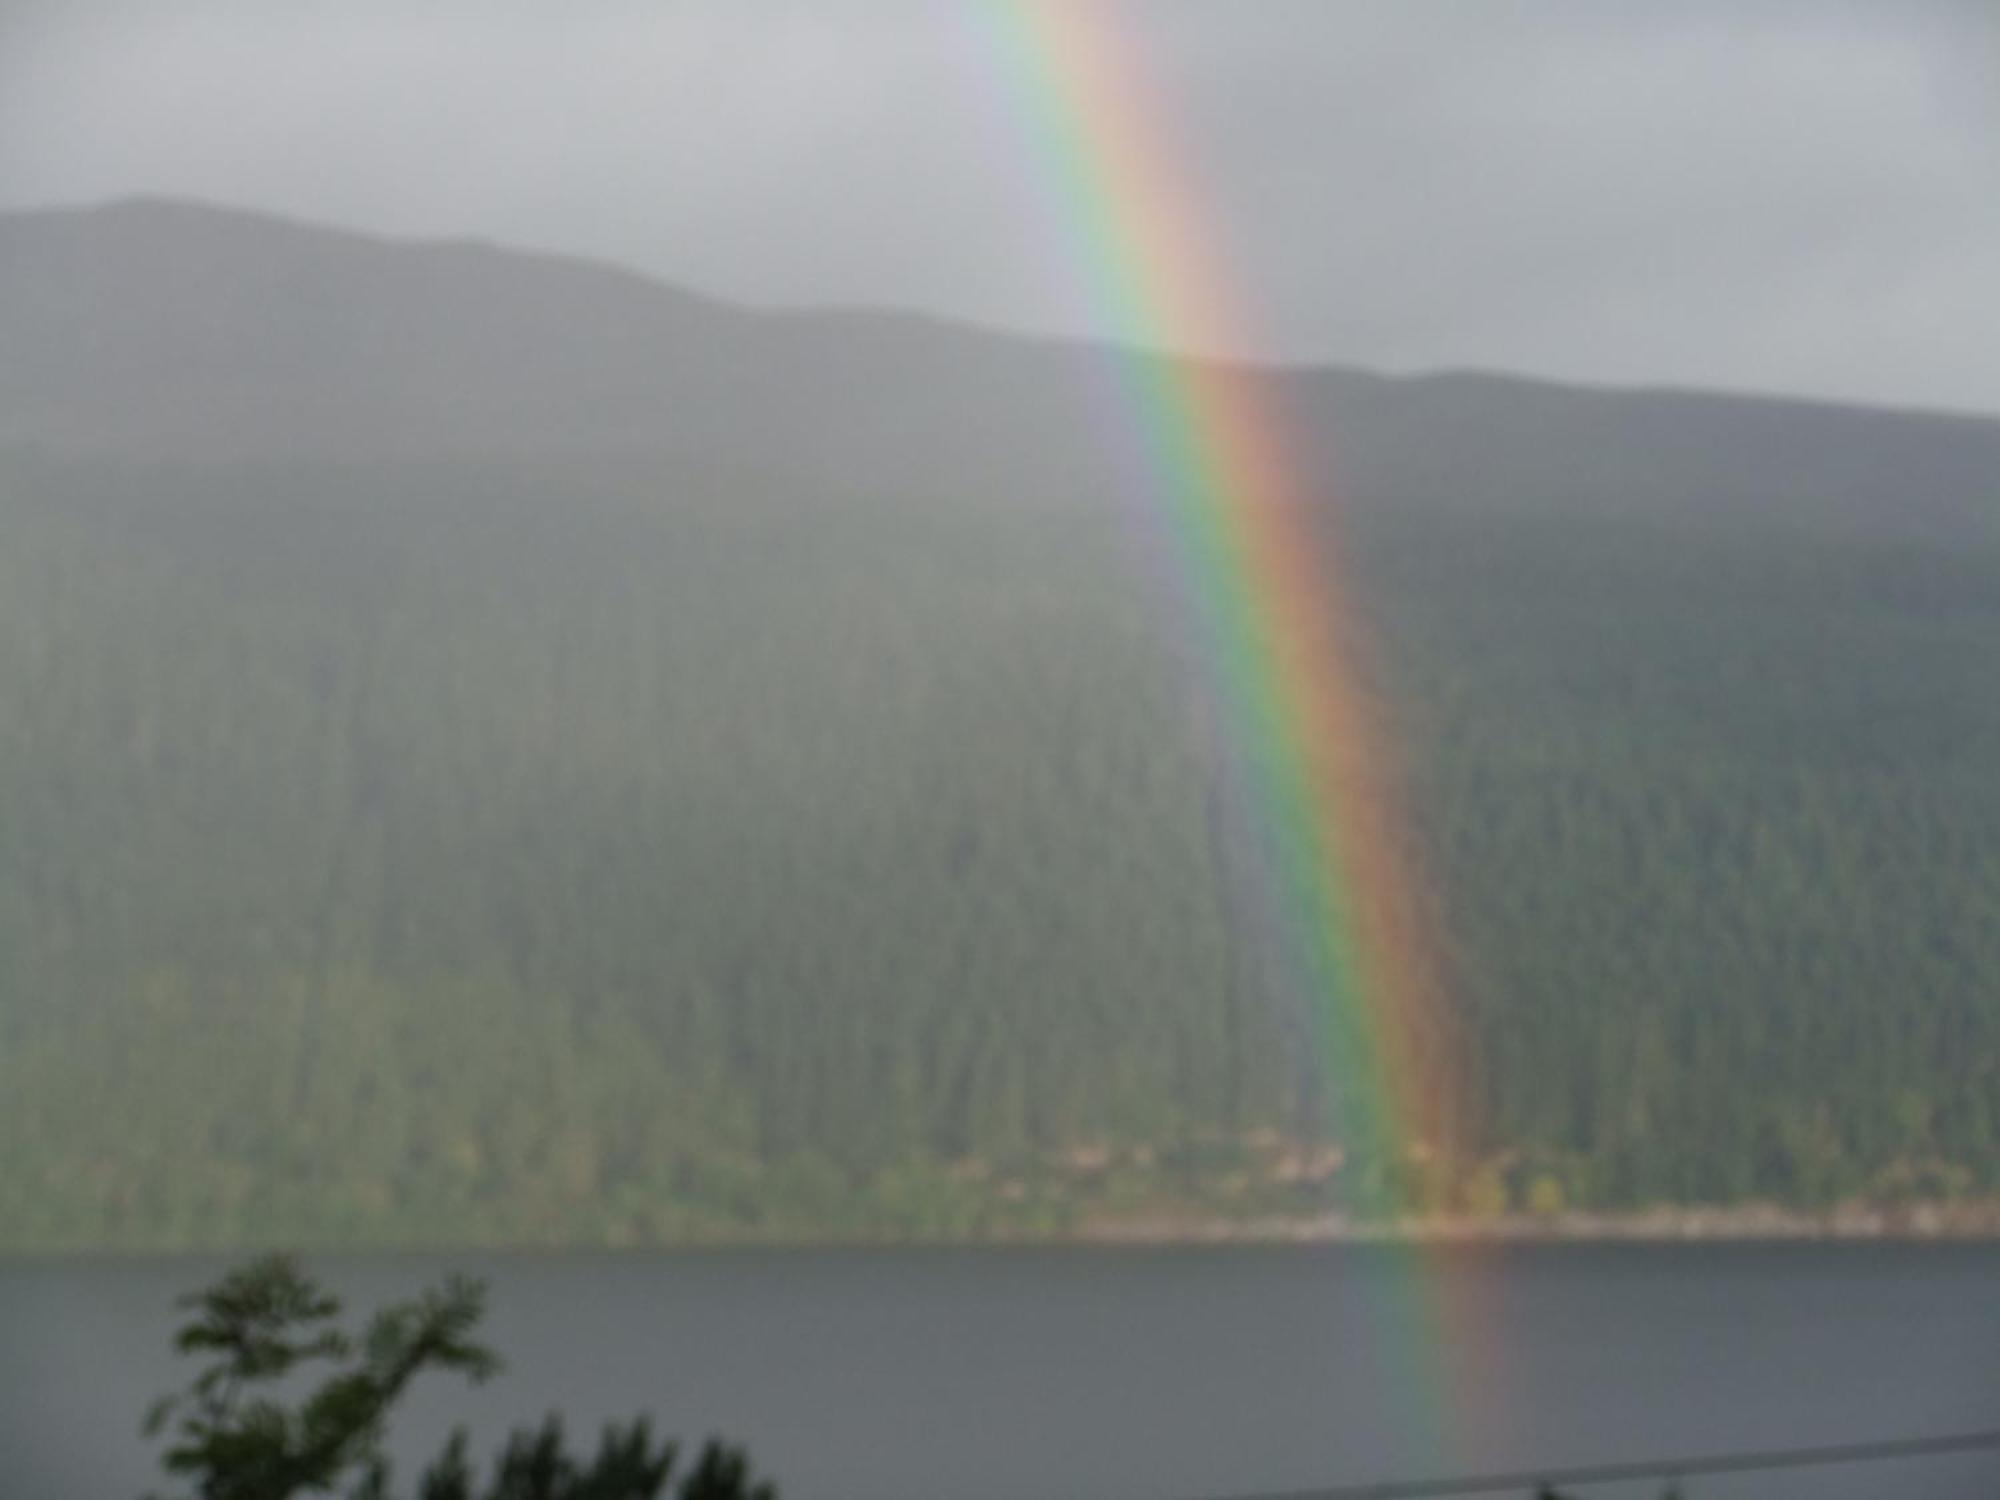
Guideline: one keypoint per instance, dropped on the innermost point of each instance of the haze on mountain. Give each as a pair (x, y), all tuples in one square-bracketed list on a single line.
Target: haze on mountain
[(1760, 196), (502, 748), (169, 328)]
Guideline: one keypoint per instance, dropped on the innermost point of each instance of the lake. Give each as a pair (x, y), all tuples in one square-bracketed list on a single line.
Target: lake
[(1167, 1374)]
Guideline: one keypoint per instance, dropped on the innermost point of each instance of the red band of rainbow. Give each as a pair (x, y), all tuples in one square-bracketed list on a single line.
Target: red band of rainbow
[(1259, 561)]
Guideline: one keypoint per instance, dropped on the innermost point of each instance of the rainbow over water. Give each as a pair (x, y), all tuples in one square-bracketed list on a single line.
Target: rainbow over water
[(1273, 613)]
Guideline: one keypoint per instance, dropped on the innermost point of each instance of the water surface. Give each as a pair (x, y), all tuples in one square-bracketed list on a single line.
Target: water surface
[(1128, 1374)]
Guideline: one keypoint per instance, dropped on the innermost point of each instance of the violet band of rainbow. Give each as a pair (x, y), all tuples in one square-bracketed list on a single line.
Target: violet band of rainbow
[(1257, 552)]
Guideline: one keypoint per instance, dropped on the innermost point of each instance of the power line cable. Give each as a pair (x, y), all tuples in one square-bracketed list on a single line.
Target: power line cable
[(1669, 1469)]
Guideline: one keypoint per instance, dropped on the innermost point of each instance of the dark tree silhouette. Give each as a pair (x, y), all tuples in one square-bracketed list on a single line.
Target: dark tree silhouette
[(234, 1438)]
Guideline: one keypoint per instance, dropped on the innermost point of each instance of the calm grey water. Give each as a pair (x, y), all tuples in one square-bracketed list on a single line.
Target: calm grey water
[(1118, 1373)]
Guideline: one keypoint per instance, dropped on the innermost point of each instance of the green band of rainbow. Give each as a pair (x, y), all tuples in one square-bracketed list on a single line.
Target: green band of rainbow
[(1268, 589)]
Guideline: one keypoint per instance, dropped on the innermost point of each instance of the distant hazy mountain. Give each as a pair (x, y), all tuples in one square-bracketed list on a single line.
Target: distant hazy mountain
[(154, 327), (493, 748)]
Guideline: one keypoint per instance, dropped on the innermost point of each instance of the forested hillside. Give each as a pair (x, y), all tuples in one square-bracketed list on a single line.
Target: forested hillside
[(690, 832)]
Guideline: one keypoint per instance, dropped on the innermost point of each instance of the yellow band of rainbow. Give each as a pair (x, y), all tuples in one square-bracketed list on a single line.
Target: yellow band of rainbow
[(1255, 537)]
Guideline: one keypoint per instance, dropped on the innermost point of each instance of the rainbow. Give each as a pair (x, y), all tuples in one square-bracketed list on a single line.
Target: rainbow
[(1268, 594)]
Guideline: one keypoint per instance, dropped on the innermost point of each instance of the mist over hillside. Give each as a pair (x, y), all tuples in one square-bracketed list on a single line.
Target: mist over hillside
[(164, 329), (498, 748)]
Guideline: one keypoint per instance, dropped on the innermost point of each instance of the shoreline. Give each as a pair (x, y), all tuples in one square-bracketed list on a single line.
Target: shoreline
[(1915, 1223), (1940, 1224)]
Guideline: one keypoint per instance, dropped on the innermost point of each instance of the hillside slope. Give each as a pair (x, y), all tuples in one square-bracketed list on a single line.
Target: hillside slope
[(497, 749)]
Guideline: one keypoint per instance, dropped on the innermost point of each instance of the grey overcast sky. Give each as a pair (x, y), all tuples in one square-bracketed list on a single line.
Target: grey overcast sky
[(1797, 195)]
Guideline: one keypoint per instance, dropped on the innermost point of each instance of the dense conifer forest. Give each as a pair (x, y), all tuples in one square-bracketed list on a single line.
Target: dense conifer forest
[(495, 750), (408, 853)]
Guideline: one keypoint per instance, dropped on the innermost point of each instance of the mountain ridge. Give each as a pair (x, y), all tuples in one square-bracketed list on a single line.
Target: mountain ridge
[(225, 337), (193, 227), (168, 206), (491, 757)]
